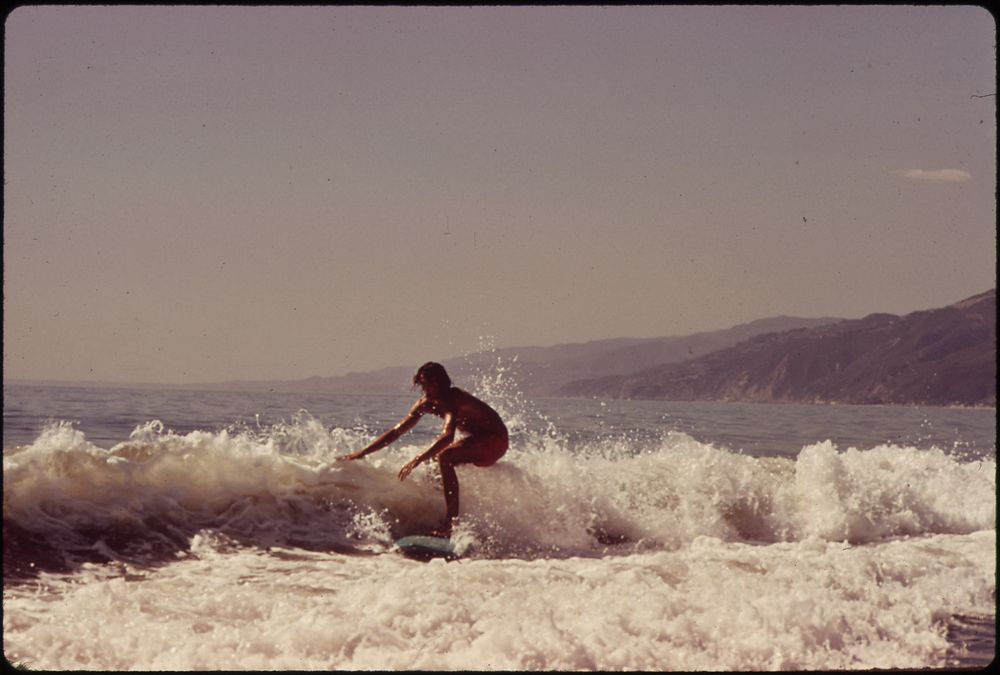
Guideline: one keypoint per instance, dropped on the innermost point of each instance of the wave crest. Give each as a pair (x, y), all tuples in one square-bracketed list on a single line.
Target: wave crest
[(67, 501)]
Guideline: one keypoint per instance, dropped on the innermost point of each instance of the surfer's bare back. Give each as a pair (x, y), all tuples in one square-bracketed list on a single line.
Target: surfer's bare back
[(484, 441)]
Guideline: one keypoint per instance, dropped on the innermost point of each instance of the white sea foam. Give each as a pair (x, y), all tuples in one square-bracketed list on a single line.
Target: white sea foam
[(255, 548), (710, 605)]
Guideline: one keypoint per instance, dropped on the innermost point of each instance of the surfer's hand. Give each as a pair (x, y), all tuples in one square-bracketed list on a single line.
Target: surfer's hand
[(405, 471), (353, 455)]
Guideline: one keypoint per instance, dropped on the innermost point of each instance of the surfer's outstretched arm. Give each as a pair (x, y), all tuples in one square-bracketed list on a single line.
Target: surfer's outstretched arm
[(391, 435), (443, 441)]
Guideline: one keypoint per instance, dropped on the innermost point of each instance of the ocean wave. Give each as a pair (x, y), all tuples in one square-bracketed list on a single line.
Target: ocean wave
[(67, 501)]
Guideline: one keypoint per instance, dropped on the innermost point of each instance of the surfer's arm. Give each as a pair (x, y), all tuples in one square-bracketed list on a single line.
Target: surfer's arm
[(442, 442), (392, 434)]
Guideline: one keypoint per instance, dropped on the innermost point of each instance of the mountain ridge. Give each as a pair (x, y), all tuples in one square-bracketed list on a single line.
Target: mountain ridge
[(540, 371), (944, 356)]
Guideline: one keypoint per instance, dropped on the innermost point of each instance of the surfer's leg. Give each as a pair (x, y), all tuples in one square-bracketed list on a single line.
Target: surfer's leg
[(478, 450), (449, 480)]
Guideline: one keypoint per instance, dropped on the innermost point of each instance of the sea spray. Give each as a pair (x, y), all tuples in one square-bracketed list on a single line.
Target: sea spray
[(496, 382)]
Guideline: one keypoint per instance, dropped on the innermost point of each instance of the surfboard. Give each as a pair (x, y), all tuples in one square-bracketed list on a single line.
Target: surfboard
[(426, 547)]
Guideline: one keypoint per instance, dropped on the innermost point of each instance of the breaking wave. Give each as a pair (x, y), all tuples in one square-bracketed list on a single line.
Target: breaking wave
[(67, 501)]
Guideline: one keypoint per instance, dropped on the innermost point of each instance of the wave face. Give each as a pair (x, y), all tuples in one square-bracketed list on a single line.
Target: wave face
[(68, 502)]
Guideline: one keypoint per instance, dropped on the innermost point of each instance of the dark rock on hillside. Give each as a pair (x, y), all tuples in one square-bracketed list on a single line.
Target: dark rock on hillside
[(943, 356)]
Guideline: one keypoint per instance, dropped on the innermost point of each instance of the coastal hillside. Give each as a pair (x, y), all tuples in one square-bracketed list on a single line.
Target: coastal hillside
[(544, 371), (943, 356)]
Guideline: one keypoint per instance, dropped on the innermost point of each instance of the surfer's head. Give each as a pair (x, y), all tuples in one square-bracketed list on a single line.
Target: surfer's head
[(432, 375)]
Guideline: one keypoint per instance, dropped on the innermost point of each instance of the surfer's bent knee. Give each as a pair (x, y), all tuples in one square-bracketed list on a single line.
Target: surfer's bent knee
[(493, 448), (480, 449)]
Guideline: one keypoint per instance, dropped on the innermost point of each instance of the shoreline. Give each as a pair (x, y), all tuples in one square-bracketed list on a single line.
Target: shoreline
[(260, 389)]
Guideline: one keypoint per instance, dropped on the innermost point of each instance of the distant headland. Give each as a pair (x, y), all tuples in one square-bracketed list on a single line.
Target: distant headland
[(937, 357)]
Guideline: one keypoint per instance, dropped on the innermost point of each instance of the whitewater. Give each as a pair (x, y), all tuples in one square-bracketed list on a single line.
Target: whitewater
[(612, 536)]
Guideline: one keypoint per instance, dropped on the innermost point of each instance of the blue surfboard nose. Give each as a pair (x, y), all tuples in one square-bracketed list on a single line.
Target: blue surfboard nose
[(425, 547)]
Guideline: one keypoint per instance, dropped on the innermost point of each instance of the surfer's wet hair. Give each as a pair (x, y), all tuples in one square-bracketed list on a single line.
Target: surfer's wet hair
[(432, 372)]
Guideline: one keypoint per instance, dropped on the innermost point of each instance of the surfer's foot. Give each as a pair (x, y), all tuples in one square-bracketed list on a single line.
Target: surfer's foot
[(444, 531)]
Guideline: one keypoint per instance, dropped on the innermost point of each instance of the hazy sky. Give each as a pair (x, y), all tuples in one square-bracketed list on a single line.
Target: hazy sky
[(209, 193)]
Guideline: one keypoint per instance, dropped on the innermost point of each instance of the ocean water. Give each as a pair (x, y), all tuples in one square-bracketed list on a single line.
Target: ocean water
[(177, 530)]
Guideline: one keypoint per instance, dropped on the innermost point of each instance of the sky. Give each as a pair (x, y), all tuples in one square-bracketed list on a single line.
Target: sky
[(197, 194)]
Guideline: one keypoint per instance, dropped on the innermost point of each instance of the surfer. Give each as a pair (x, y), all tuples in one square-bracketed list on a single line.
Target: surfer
[(484, 439)]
